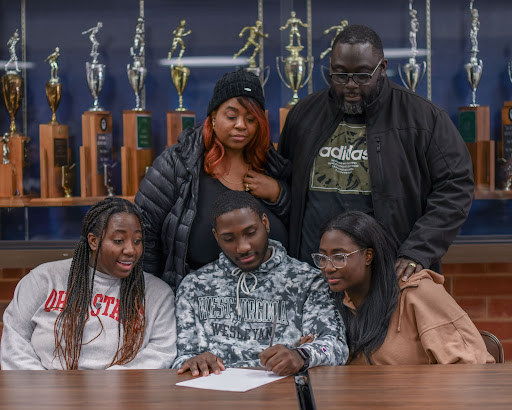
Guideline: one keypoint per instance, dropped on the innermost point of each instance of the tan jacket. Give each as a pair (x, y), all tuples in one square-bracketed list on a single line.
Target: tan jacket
[(428, 327)]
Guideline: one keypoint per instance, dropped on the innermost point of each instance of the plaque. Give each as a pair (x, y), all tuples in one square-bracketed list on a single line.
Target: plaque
[(95, 152), (506, 135), (137, 150)]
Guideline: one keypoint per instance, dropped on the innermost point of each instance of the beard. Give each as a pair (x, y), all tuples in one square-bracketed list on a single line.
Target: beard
[(360, 108)]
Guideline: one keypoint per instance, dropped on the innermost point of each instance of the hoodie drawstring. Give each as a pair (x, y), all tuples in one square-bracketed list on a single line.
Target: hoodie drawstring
[(242, 284)]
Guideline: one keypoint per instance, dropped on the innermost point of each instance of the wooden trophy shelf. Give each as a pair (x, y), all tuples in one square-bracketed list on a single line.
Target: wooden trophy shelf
[(26, 201)]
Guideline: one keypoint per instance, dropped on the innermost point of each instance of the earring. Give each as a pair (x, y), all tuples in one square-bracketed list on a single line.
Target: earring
[(213, 125)]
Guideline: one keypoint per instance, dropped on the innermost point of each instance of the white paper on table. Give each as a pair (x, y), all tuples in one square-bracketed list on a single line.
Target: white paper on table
[(237, 380)]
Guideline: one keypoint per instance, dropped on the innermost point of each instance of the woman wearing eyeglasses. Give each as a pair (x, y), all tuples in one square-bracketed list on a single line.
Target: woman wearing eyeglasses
[(390, 321)]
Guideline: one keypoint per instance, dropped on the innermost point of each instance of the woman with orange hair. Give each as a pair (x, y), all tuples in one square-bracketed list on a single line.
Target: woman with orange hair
[(231, 150)]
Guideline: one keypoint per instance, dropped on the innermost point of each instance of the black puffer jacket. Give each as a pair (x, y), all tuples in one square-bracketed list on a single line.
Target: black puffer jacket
[(168, 196), (420, 168)]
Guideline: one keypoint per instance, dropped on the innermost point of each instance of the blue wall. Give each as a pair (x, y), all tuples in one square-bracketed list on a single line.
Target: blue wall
[(215, 26)]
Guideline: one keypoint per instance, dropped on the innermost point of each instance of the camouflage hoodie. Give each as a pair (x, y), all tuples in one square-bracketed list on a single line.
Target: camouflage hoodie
[(208, 319)]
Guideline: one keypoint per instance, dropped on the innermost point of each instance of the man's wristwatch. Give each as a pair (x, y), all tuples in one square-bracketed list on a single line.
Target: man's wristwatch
[(305, 355)]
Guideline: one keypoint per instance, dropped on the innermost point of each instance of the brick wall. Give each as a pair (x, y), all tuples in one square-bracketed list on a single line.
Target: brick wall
[(484, 290)]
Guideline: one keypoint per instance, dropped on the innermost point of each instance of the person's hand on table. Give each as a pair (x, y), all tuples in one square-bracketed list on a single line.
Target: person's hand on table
[(281, 360), (202, 365), (262, 186), (406, 267)]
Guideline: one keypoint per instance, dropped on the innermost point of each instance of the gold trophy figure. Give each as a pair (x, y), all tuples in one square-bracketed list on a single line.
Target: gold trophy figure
[(294, 64), (255, 32), (293, 22), (339, 29), (179, 73), (53, 86), (412, 73), (179, 32)]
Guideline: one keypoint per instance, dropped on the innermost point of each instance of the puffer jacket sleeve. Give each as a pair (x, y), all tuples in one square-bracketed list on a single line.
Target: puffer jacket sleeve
[(280, 169), (155, 199)]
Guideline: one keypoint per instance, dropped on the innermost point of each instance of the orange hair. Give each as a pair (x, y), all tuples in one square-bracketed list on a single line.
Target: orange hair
[(255, 153)]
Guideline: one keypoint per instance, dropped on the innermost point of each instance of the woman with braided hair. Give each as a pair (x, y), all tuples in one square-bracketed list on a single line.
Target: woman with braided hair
[(97, 310)]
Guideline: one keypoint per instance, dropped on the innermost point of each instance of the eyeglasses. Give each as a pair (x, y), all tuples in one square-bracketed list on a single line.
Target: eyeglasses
[(358, 78), (338, 260)]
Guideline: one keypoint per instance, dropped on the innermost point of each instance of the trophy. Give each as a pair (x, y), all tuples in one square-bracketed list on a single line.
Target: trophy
[(294, 65), (412, 73), (137, 72), (137, 149), (474, 120), (474, 67), (181, 118), (326, 70), (96, 149), (53, 137), (13, 144), (95, 71), (53, 86), (253, 40)]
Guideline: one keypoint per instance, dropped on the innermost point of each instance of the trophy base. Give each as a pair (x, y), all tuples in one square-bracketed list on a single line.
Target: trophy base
[(475, 123), (483, 160), (137, 152), (53, 155), (177, 121), (96, 109), (283, 113), (17, 154), (96, 150), (474, 127), (7, 181)]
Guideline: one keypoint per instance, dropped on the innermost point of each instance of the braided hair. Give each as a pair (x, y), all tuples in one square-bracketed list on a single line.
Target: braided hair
[(69, 326)]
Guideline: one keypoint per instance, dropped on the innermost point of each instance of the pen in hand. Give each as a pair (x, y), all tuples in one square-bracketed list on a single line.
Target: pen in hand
[(273, 330)]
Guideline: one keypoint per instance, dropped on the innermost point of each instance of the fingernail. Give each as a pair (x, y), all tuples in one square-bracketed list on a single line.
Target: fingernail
[(404, 278)]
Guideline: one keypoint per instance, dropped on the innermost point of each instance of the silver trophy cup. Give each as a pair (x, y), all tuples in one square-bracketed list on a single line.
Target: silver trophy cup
[(412, 73), (510, 70), (136, 76), (474, 71), (95, 78)]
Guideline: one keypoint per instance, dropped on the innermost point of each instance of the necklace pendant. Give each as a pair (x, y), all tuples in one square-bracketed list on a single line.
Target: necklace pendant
[(97, 305)]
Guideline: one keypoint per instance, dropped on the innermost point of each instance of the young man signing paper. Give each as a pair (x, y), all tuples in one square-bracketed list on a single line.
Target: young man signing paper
[(254, 296)]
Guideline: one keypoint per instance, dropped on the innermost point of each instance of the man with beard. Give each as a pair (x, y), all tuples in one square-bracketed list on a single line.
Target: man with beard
[(255, 305), (370, 145)]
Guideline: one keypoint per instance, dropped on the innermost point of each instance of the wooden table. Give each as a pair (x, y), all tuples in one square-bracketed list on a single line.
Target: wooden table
[(131, 389), (365, 387), (487, 386)]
